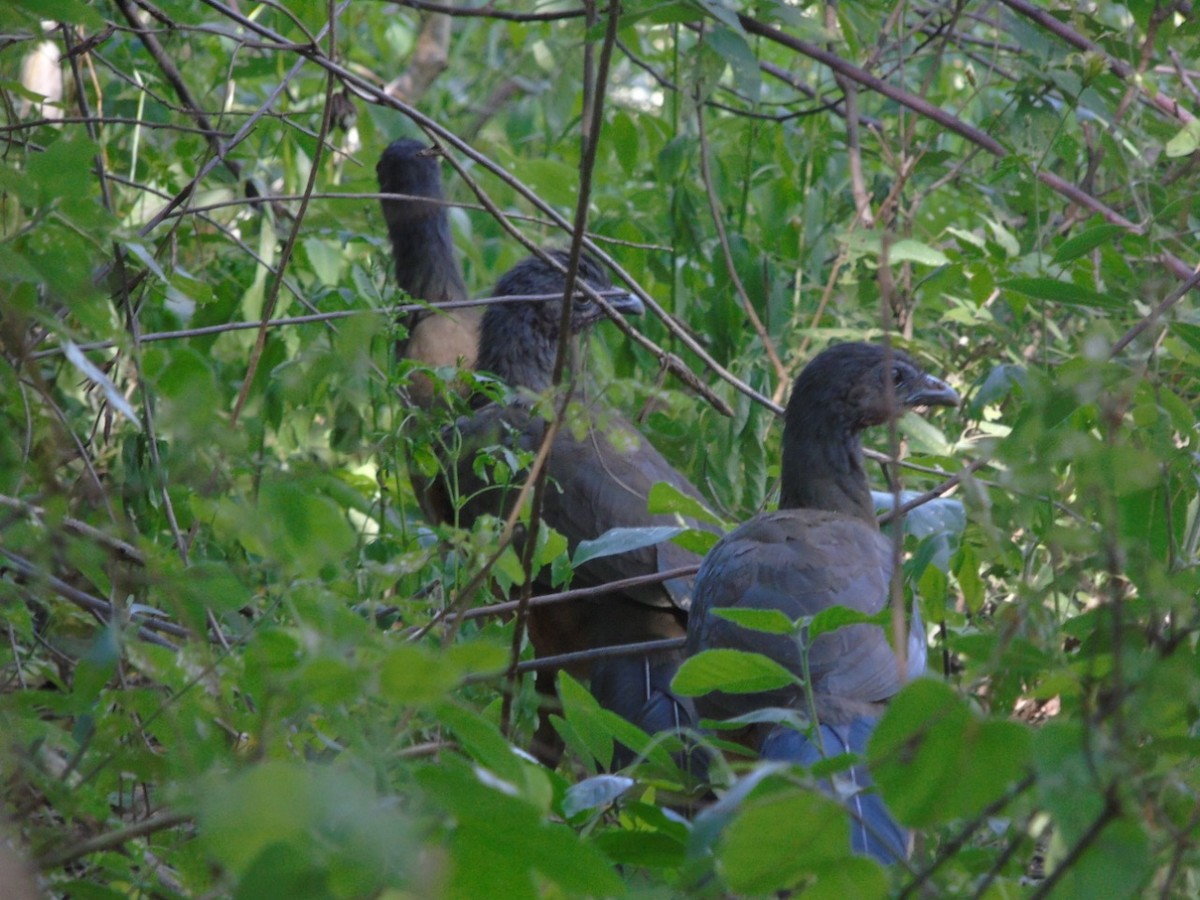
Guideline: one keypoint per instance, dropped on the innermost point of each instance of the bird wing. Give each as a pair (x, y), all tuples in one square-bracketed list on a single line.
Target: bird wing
[(799, 562), (598, 478), (600, 474)]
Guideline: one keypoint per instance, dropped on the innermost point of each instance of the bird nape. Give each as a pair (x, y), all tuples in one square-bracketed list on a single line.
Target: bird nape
[(426, 263), (599, 474), (822, 548)]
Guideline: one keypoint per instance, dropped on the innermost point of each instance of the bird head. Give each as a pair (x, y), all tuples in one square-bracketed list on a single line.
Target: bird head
[(534, 276), (519, 340), (866, 384), (410, 167)]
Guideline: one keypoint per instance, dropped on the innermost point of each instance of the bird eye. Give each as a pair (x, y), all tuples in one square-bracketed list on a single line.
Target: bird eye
[(898, 376)]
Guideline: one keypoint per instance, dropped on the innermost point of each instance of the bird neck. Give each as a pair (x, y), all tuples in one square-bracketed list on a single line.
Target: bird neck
[(426, 260), (519, 354), (823, 465)]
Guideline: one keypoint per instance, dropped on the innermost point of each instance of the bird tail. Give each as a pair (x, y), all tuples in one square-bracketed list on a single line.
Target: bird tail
[(638, 689), (873, 830)]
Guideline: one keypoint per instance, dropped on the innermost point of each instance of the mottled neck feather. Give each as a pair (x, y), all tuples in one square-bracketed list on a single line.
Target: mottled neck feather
[(513, 347), (822, 460)]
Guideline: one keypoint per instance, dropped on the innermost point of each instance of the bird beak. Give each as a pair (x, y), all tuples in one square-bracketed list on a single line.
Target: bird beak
[(933, 392), (626, 304)]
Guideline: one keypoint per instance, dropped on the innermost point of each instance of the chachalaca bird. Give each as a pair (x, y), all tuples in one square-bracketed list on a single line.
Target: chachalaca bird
[(596, 485), (822, 548), (427, 265), (600, 471)]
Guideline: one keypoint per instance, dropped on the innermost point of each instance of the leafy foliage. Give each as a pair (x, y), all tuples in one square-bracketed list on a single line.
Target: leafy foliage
[(235, 658)]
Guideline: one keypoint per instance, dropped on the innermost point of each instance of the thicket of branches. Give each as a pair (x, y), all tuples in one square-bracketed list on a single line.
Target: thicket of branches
[(235, 660)]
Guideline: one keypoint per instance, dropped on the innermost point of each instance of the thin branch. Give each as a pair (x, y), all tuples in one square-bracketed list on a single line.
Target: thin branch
[(952, 847), (591, 141), (1155, 314), (333, 315), (488, 11), (587, 593), (97, 607), (29, 124), (567, 660), (714, 209), (272, 297), (1108, 814), (953, 124), (112, 840), (126, 551), (1119, 67), (174, 78), (368, 90)]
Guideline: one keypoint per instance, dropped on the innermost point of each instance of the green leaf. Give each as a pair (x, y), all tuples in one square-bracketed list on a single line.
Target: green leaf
[(665, 498), (73, 12), (642, 848), (1185, 141), (64, 170), (594, 793), (730, 44), (326, 259), (1116, 864), (836, 617), (769, 621), (908, 250), (499, 842), (731, 671), (1188, 332), (96, 667), (622, 134), (796, 838), (483, 742), (554, 181), (330, 824), (934, 761), (584, 729), (1004, 238), (622, 540), (1062, 292), (479, 656), (551, 546), (596, 729), (209, 585), (412, 674), (722, 11), (966, 573), (1093, 237), (309, 530)]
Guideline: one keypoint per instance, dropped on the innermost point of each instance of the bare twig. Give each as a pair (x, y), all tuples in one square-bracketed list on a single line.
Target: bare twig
[(954, 124), (1154, 315), (489, 12), (272, 297), (97, 607), (714, 209), (587, 593), (1119, 67), (579, 657), (125, 550), (112, 840)]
